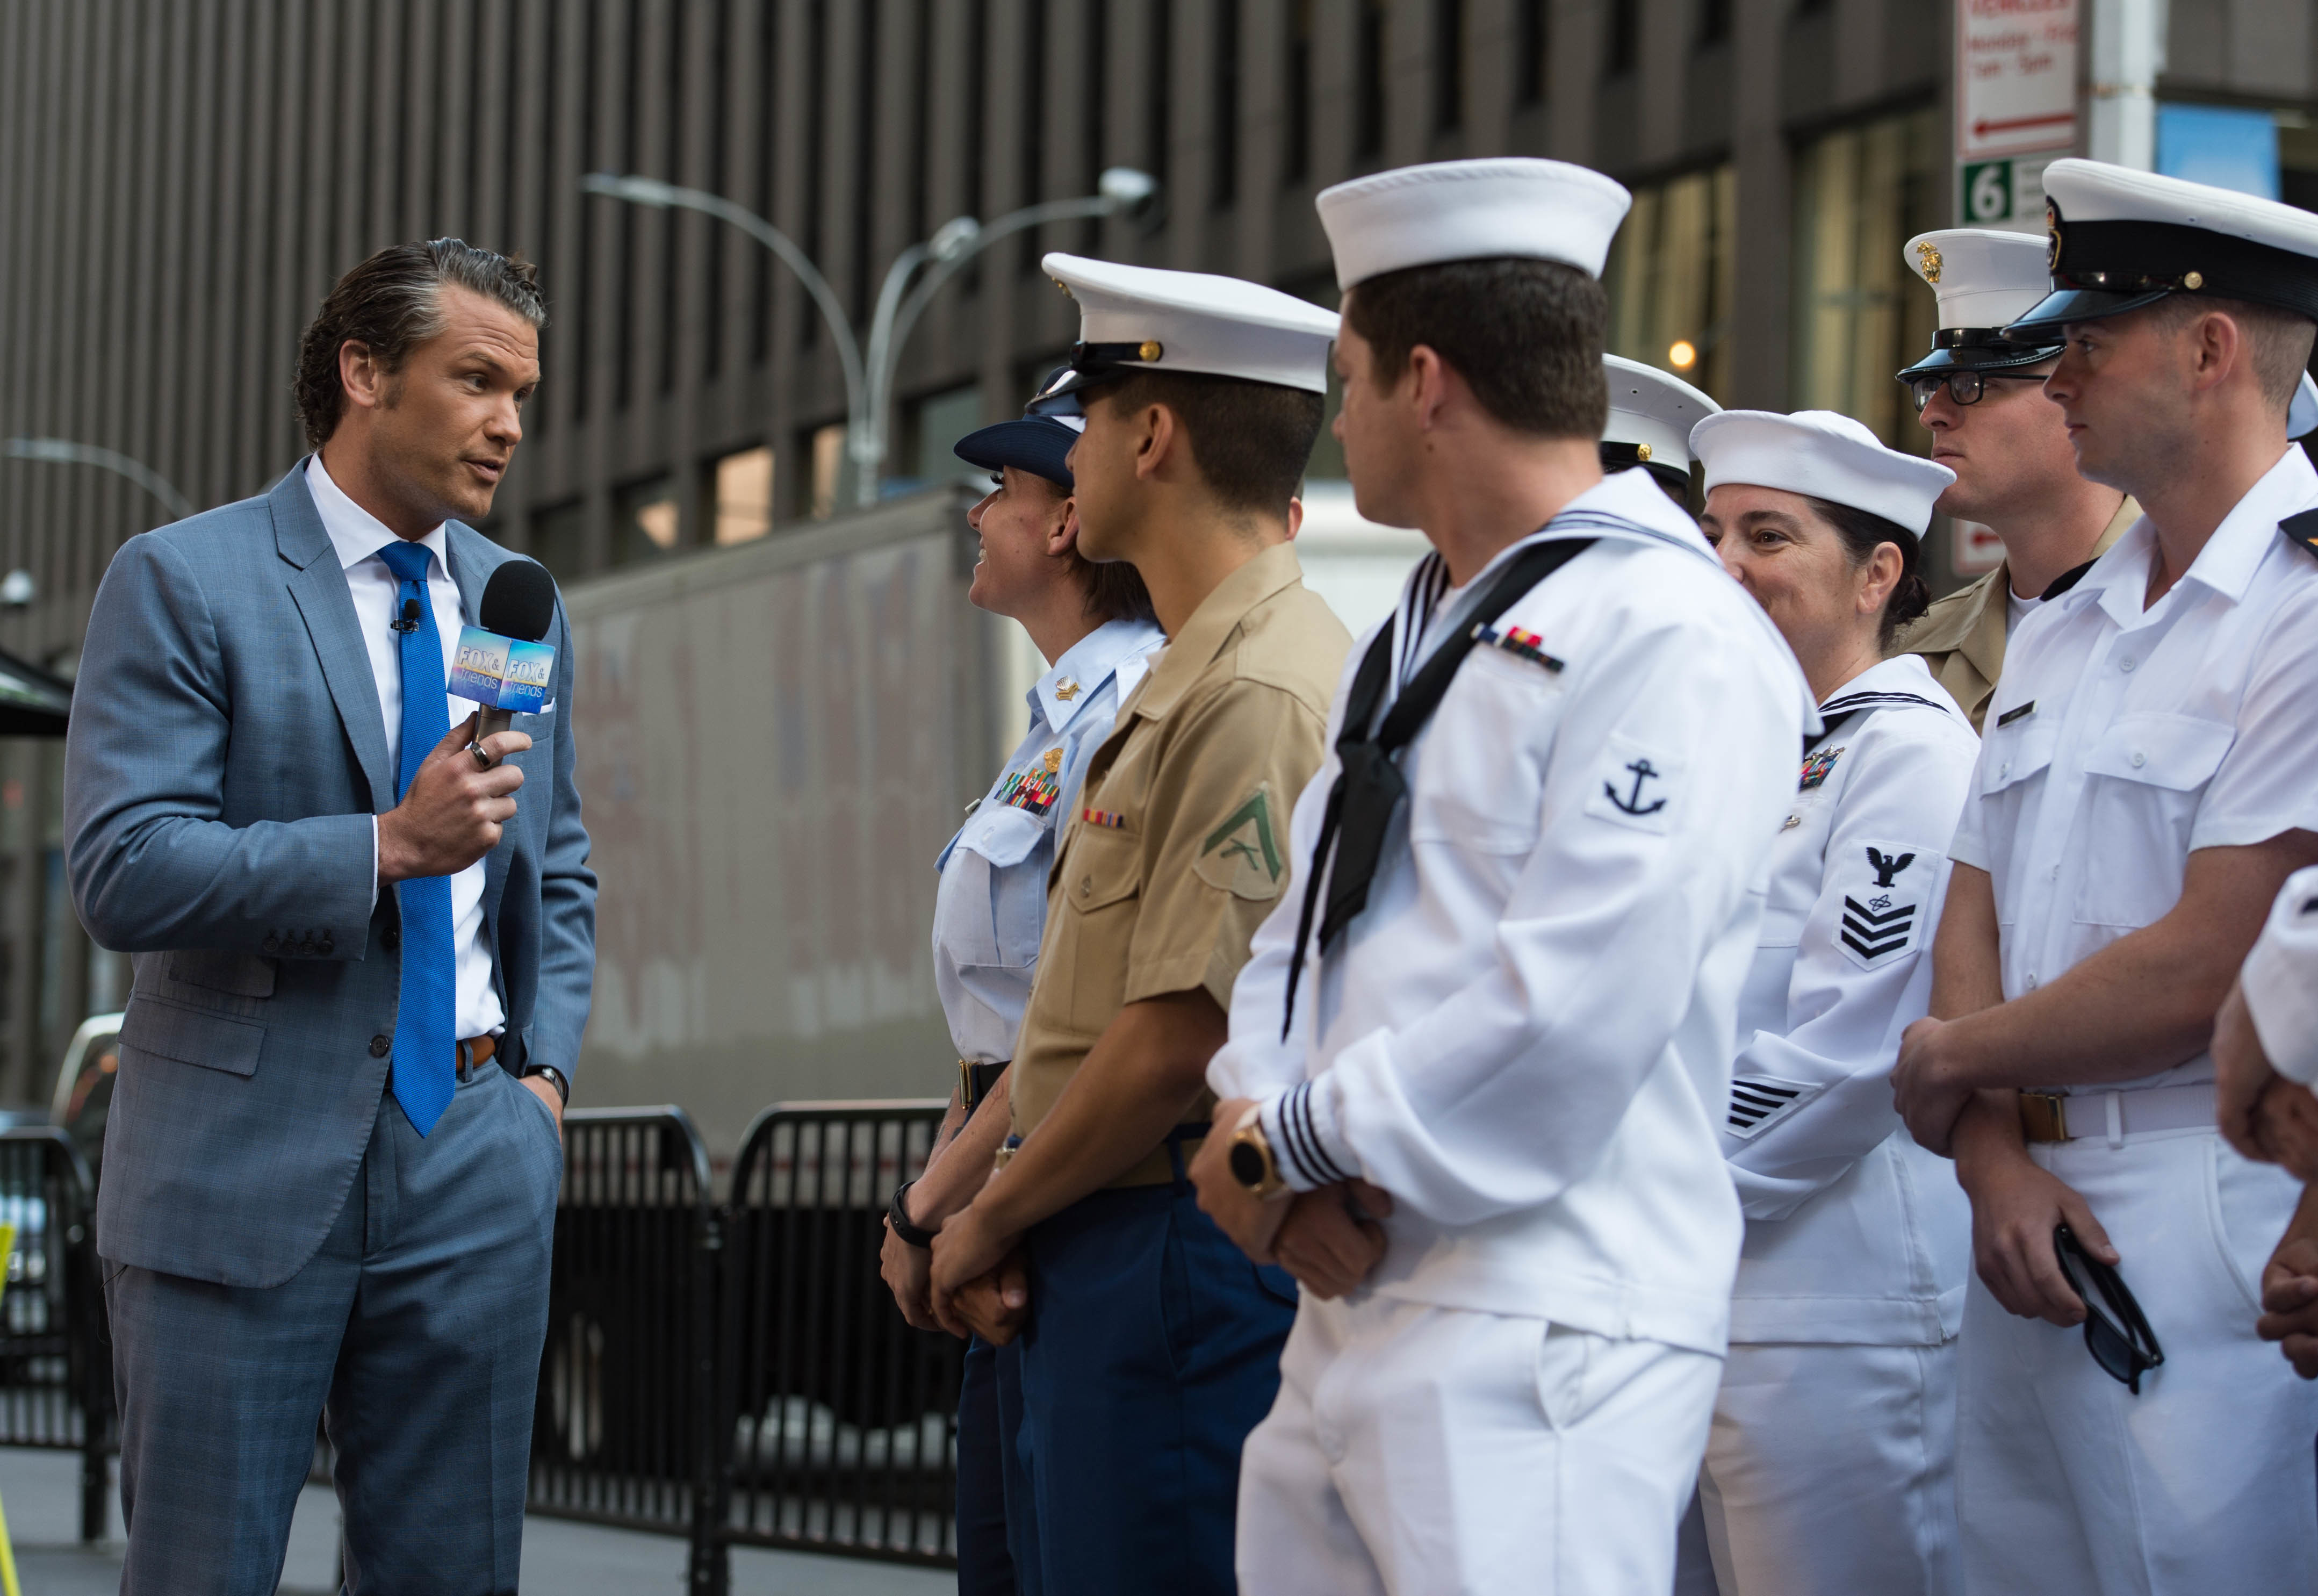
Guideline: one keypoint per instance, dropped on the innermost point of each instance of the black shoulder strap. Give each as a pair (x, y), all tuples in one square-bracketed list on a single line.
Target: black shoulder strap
[(1370, 786), (2301, 529), (2065, 581)]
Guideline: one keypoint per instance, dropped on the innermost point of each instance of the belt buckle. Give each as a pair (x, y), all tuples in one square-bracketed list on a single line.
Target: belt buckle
[(2044, 1117), (966, 1097)]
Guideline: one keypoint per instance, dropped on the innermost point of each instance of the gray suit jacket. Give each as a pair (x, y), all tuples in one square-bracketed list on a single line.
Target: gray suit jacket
[(225, 758)]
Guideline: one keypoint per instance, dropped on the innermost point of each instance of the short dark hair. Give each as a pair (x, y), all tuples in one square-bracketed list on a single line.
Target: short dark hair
[(391, 304), (1527, 336), (1250, 440), (2278, 341), (1861, 530), (1113, 590)]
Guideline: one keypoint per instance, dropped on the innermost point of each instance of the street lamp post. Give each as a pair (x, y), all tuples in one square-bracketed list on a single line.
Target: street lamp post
[(58, 451), (869, 374)]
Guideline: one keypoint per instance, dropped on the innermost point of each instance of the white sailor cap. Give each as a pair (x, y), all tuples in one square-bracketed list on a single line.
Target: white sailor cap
[(1135, 318), (1479, 210), (1984, 280), (2119, 240), (1651, 413), (1821, 454)]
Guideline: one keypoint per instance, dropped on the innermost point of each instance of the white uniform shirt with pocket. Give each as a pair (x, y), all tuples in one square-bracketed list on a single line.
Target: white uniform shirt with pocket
[(2121, 740), (991, 907), (1855, 1234), (1526, 1036)]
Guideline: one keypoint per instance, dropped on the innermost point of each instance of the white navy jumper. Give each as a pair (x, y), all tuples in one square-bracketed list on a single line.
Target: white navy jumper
[(2121, 740), (1526, 1038), (990, 910), (1829, 1466)]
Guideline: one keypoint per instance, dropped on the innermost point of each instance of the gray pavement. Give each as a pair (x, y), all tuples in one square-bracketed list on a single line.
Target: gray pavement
[(41, 1492)]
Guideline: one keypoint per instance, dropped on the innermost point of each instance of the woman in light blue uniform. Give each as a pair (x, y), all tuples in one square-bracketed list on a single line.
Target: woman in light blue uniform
[(1093, 624)]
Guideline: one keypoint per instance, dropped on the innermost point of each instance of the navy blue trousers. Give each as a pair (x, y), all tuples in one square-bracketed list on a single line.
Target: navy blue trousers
[(1153, 1348), (989, 1412)]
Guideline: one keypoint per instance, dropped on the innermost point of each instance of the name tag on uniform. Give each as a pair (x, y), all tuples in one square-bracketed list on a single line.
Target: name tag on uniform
[(2020, 712)]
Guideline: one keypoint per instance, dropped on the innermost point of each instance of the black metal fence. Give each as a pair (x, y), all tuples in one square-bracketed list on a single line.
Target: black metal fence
[(735, 1373)]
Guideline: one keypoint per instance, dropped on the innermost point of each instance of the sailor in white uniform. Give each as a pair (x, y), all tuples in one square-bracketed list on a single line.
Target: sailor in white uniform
[(1094, 624), (1651, 413), (1828, 1469), (2148, 781), (1497, 1008)]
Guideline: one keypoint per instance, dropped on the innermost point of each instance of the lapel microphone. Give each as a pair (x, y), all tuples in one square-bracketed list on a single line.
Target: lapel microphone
[(409, 621), (502, 665)]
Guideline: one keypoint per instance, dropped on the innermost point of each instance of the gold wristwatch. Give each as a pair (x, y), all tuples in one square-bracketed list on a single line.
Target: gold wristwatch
[(1250, 1157)]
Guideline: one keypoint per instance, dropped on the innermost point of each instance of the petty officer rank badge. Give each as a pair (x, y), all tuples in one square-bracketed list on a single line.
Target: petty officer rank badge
[(1880, 900), (1816, 767), (1034, 788), (1242, 856)]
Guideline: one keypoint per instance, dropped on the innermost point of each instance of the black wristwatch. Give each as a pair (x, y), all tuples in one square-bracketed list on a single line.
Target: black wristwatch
[(897, 1214), (554, 1079)]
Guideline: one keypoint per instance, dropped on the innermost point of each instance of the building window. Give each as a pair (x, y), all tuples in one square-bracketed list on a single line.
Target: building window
[(744, 497), (1296, 109), (1223, 178), (1860, 314), (1530, 46), (826, 447), (649, 522), (1671, 277), (930, 428), (1368, 72), (1713, 22), (559, 539), (1159, 127), (1624, 36), (1448, 65)]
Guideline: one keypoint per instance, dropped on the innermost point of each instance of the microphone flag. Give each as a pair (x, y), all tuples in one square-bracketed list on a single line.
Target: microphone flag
[(501, 672)]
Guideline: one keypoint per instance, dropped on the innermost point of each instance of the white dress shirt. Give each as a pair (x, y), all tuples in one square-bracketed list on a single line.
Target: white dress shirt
[(358, 536), (2281, 980), (2121, 740), (990, 910), (1853, 1233), (1526, 1036)]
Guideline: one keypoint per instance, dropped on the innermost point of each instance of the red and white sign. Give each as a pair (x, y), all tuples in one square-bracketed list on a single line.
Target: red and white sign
[(1974, 550), (2015, 76)]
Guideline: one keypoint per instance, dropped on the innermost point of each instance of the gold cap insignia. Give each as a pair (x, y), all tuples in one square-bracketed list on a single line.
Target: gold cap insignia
[(1053, 761), (2051, 237), (1641, 451), (2193, 280), (1149, 351), (1928, 254)]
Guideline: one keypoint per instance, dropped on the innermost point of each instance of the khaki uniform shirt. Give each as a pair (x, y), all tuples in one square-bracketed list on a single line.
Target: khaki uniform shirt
[(1961, 635), (1179, 847)]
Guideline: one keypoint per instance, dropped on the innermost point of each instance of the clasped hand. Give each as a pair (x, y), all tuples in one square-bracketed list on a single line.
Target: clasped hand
[(1926, 1088), (1330, 1239)]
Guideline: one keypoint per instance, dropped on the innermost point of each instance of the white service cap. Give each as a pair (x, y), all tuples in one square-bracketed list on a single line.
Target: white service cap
[(1983, 278), (1135, 318), (1653, 411), (1479, 210), (1823, 454)]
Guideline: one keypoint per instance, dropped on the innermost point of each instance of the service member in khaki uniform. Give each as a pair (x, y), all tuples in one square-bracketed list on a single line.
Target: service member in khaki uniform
[(1980, 394), (1150, 1345)]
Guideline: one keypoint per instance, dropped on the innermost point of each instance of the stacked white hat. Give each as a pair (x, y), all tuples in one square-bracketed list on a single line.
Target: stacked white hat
[(1651, 415), (1507, 206), (1984, 280), (1135, 318), (2120, 238), (1822, 456)]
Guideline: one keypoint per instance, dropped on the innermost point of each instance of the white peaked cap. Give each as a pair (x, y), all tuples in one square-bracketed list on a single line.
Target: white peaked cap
[(2302, 414), (1822, 455), (1983, 278), (2096, 191), (1653, 410), (1135, 318), (1480, 210)]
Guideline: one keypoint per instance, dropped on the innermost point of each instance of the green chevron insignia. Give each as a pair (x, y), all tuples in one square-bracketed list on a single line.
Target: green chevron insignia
[(1231, 837)]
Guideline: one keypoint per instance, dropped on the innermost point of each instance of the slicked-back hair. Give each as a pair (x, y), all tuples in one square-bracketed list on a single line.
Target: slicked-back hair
[(1250, 440), (1861, 530), (391, 304), (1527, 336), (2278, 341)]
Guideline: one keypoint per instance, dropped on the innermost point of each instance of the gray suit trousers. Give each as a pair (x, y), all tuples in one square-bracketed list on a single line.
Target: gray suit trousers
[(415, 1333)]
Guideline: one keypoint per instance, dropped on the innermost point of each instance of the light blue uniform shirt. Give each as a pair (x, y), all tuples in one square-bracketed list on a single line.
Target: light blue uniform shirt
[(991, 908)]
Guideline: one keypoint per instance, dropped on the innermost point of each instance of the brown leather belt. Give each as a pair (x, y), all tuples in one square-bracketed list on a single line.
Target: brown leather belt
[(474, 1053)]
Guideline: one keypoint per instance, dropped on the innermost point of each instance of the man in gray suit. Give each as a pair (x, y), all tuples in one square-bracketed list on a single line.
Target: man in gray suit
[(363, 967)]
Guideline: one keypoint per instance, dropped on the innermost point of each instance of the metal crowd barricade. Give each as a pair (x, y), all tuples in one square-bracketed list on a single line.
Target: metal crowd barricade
[(620, 1432), (842, 1417), (55, 1375)]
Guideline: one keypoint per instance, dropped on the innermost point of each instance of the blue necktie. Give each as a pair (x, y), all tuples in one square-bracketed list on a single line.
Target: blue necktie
[(425, 1024)]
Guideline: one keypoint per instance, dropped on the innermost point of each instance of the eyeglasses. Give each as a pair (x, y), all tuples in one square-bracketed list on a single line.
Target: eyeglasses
[(1964, 387), (2115, 1334)]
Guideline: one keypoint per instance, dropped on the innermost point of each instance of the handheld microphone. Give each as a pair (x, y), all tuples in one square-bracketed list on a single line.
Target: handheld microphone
[(502, 665)]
